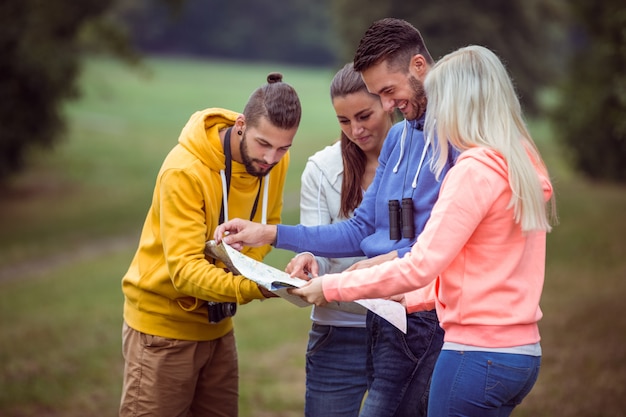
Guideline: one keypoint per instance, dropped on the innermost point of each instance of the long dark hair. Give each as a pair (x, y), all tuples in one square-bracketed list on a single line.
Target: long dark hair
[(348, 81)]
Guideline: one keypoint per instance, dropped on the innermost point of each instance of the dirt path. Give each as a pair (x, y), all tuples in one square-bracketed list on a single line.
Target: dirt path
[(85, 252)]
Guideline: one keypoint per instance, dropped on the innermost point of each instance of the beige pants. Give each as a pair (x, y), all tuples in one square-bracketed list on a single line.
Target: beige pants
[(178, 378)]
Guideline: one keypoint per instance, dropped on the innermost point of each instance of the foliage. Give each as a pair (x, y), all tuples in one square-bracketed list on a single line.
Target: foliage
[(591, 117), (526, 34), (297, 31), (41, 46), (38, 66)]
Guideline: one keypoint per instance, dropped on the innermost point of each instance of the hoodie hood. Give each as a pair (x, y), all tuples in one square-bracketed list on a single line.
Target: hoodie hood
[(496, 161), (330, 164), (200, 136)]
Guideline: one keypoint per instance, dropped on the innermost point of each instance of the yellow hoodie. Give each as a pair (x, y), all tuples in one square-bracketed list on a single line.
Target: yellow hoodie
[(169, 278)]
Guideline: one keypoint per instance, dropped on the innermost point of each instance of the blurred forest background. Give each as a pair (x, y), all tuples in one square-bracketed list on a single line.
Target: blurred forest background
[(577, 48), (94, 93)]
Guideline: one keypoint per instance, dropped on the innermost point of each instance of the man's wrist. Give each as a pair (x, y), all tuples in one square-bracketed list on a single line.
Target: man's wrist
[(272, 232)]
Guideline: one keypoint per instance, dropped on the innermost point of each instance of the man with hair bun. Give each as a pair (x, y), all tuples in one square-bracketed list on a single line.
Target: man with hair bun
[(178, 343)]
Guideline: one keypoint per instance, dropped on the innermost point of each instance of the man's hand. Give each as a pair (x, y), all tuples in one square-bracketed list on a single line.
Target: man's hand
[(239, 233), (311, 292), (303, 265), (266, 293), (376, 260)]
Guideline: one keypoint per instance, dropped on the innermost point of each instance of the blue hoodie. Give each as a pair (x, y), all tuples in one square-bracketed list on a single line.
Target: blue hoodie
[(403, 171)]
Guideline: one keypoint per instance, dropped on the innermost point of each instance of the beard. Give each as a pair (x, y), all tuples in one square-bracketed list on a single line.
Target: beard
[(418, 99), (249, 162)]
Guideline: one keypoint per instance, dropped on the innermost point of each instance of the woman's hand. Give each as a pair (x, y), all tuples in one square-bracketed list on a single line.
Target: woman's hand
[(311, 292), (375, 260), (399, 298)]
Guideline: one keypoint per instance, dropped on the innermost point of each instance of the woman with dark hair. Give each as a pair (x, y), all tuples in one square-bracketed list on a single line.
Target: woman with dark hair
[(333, 183)]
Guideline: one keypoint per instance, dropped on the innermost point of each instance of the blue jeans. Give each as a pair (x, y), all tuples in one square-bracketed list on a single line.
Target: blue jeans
[(481, 384), (400, 365), (336, 379)]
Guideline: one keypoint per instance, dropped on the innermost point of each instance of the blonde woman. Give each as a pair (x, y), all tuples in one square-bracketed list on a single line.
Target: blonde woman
[(484, 243)]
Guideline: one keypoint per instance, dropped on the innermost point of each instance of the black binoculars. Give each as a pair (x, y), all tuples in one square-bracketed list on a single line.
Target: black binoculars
[(401, 218)]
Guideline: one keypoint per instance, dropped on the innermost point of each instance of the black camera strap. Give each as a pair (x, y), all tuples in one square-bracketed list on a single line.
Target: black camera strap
[(218, 311), (228, 160)]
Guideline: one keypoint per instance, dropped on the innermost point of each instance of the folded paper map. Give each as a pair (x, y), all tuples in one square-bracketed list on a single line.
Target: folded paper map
[(278, 282)]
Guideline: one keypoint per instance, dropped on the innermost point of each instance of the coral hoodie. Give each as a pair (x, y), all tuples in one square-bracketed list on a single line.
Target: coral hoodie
[(402, 173), (489, 275), (169, 278)]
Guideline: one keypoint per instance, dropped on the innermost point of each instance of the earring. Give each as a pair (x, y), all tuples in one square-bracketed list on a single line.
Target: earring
[(239, 132)]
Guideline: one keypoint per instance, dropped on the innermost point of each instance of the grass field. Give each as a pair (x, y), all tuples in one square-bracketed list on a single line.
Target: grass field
[(69, 225)]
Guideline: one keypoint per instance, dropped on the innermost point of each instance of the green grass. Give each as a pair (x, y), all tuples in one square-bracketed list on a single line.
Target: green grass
[(68, 228), (61, 345)]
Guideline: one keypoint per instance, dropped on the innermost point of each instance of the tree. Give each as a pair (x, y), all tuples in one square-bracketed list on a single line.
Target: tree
[(297, 31), (591, 116), (41, 45), (38, 45)]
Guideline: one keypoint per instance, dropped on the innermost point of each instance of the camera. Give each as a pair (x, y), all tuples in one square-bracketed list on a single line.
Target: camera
[(219, 311), (401, 219)]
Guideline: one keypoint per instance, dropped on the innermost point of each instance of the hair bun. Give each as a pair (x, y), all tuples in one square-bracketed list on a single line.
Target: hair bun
[(274, 77)]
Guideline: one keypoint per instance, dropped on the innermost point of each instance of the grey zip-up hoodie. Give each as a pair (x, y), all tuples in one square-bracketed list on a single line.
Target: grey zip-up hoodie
[(320, 203)]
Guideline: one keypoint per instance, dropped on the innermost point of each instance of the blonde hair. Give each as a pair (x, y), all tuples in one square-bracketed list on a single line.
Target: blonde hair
[(472, 102)]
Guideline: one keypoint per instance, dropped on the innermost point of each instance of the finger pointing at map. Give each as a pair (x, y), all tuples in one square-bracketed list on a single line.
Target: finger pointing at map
[(238, 233)]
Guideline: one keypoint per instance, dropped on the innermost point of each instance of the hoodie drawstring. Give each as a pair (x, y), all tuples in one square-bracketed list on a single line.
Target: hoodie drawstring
[(419, 167), (224, 195), (319, 198), (266, 188), (424, 151), (395, 169)]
